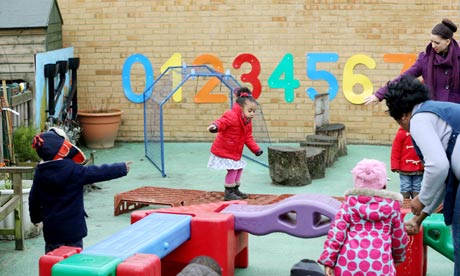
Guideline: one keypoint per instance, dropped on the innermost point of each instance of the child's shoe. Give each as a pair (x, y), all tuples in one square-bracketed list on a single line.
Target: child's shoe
[(230, 194), (240, 193)]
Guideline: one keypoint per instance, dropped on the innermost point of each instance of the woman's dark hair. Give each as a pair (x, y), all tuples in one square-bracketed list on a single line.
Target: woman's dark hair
[(243, 94), (404, 94), (445, 29)]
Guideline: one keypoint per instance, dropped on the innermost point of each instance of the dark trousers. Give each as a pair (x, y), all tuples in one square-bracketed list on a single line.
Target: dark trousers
[(51, 246)]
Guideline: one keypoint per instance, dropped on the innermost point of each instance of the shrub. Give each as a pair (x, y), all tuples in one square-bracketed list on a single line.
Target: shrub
[(22, 141)]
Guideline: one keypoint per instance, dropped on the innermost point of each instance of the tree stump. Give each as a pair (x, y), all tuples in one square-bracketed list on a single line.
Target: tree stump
[(338, 131), (288, 166), (329, 158), (316, 162), (327, 142)]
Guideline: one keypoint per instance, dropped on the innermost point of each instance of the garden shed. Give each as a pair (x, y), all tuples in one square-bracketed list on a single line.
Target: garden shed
[(27, 27)]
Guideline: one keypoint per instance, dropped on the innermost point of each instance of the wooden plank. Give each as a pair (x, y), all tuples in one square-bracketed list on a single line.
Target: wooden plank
[(21, 32), (4, 199), (17, 170), (9, 207), (13, 59), (24, 97), (38, 39), (54, 28), (26, 76), (29, 49), (16, 68)]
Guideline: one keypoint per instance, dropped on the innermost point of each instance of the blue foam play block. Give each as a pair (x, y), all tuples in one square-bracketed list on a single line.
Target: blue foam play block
[(157, 234)]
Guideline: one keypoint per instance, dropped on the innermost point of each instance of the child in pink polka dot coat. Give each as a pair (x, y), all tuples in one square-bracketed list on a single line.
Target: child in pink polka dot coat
[(367, 236)]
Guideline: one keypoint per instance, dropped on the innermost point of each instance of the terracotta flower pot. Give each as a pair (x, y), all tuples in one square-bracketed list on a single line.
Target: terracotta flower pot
[(99, 129)]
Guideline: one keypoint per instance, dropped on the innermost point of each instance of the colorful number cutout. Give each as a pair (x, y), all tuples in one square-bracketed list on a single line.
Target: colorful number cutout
[(174, 60), (126, 78), (204, 95), (350, 79), (253, 76), (406, 59), (313, 74), (289, 84)]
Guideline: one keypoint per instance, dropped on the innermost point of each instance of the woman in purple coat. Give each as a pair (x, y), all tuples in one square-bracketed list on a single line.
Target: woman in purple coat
[(438, 65)]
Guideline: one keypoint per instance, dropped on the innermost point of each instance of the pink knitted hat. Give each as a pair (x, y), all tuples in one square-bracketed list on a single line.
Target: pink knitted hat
[(370, 174)]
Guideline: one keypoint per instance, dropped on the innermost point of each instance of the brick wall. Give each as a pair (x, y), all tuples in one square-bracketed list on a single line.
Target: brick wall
[(105, 33)]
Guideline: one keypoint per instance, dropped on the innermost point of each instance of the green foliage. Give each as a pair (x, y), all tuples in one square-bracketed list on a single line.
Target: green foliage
[(22, 140)]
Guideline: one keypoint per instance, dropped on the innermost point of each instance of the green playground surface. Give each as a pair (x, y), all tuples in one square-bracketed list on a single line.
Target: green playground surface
[(186, 168)]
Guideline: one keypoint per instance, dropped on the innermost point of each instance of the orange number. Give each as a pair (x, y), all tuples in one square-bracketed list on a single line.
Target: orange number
[(204, 95), (406, 59)]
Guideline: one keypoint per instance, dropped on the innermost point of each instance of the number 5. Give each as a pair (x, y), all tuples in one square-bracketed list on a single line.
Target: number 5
[(314, 74)]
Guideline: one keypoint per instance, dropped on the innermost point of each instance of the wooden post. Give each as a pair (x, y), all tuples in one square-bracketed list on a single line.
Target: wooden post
[(321, 110), (18, 212), (288, 166), (15, 204)]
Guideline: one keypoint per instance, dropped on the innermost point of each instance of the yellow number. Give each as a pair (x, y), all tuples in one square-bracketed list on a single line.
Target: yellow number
[(174, 60), (350, 79)]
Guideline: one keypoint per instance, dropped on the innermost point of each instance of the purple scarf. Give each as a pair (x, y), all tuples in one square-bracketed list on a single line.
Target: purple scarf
[(450, 60)]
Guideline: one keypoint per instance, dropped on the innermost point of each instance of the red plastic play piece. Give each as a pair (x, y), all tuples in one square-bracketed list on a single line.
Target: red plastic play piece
[(47, 261), (140, 265), (212, 234), (415, 263)]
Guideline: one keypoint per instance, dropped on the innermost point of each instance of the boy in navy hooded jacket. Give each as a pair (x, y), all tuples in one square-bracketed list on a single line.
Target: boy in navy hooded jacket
[(56, 196)]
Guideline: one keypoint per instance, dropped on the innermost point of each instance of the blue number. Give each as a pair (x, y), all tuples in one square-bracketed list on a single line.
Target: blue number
[(313, 74), (126, 78)]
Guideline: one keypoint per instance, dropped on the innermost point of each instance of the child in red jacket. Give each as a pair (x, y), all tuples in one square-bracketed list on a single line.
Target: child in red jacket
[(405, 161), (234, 130)]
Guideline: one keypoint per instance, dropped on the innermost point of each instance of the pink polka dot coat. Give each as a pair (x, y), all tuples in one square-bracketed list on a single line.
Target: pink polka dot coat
[(367, 235)]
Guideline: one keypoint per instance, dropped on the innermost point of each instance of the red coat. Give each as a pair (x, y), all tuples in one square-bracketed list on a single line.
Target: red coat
[(403, 155), (232, 135)]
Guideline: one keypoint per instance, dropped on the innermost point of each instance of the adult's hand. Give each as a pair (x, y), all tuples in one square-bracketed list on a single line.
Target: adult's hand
[(328, 271), (416, 206), (372, 99), (412, 226)]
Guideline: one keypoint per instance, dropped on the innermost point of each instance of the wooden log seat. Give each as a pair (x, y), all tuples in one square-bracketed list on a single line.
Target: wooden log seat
[(338, 131), (316, 161), (288, 166), (328, 142)]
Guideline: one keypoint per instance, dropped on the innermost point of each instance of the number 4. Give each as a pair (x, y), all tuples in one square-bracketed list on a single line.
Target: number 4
[(286, 67)]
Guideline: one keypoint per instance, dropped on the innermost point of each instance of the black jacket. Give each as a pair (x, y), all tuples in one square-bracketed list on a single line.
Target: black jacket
[(56, 196)]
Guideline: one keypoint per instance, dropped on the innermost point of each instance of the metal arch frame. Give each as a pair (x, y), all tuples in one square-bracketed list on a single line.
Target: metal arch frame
[(191, 74)]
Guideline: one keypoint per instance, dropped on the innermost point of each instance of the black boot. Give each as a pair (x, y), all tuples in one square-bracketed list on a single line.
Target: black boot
[(230, 194), (240, 193)]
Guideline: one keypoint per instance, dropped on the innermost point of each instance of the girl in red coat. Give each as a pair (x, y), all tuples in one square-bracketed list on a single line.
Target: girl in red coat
[(234, 130), (405, 161)]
